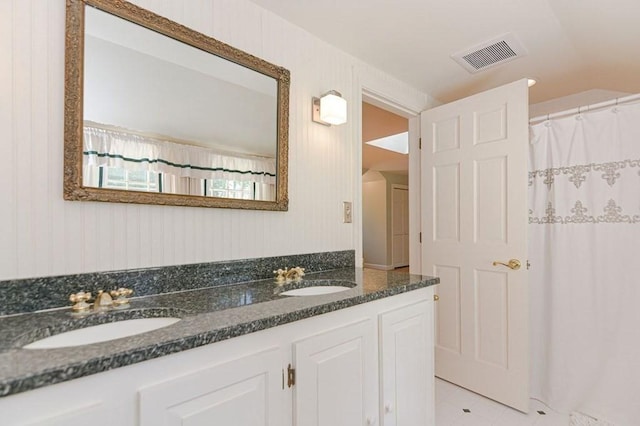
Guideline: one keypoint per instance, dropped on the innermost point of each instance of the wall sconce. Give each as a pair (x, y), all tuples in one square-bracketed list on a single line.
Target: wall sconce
[(330, 108)]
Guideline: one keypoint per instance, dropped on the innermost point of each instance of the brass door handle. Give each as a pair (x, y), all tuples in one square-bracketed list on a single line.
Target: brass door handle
[(436, 297), (513, 264)]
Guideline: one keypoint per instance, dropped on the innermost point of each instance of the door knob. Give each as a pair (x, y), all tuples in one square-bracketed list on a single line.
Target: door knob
[(513, 264)]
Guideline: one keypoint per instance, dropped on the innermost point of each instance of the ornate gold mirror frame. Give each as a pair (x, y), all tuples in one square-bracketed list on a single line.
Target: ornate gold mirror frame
[(74, 91)]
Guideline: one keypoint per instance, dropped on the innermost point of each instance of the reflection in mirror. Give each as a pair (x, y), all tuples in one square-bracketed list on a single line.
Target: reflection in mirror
[(172, 120)]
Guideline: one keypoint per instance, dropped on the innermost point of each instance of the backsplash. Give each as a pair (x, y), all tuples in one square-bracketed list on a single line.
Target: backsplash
[(34, 294)]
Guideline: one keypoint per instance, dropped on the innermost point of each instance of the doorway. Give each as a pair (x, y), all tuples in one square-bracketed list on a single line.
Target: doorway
[(385, 187)]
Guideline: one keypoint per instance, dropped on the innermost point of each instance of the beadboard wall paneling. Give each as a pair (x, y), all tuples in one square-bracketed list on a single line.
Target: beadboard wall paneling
[(43, 235), (8, 231)]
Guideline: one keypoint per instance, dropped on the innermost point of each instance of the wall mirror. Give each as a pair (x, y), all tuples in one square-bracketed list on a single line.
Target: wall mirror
[(157, 113)]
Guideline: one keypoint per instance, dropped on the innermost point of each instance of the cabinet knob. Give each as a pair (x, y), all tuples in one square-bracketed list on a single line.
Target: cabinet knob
[(388, 408), (436, 297)]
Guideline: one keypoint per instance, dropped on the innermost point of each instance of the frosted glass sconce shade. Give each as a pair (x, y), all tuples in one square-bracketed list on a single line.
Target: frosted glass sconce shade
[(330, 109)]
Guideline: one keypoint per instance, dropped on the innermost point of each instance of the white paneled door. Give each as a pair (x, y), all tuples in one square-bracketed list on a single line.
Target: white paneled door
[(400, 225), (474, 204)]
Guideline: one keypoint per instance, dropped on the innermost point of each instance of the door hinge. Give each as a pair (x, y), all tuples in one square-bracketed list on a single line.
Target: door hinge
[(419, 143), (291, 376), (528, 264), (420, 237)]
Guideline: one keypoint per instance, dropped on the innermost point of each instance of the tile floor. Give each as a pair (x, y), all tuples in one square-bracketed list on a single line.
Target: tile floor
[(452, 403)]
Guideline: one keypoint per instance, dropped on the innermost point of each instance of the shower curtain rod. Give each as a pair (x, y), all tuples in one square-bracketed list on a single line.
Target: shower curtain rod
[(594, 107)]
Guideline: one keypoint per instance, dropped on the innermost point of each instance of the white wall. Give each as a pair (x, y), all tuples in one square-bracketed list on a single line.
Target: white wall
[(576, 100), (377, 239), (41, 234)]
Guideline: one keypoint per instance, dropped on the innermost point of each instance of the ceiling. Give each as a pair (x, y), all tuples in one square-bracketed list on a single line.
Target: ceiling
[(573, 45), (378, 123)]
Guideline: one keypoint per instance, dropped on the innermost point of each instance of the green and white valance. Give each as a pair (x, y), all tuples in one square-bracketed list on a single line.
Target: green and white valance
[(125, 150)]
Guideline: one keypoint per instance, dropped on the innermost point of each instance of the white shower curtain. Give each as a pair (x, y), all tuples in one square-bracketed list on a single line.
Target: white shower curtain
[(584, 227)]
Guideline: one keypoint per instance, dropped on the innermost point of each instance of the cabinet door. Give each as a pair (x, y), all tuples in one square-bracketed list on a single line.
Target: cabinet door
[(336, 380), (80, 402), (406, 360), (71, 414), (246, 391)]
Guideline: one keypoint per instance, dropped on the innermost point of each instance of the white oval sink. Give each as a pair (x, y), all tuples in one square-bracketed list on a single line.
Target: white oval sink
[(315, 290), (101, 333)]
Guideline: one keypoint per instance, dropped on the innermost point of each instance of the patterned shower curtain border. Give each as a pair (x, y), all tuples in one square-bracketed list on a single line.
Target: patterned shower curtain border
[(577, 173), (612, 214)]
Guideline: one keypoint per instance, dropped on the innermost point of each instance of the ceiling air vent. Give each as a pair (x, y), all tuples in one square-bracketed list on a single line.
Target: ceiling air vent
[(491, 53)]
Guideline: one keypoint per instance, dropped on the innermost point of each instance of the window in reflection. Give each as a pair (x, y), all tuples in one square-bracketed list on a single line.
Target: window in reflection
[(229, 189), (116, 158), (135, 180), (142, 180)]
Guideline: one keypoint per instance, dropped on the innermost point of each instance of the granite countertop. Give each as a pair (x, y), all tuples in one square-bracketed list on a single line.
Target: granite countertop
[(208, 315)]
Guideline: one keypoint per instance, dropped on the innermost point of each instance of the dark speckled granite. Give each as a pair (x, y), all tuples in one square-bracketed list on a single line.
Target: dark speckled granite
[(33, 294), (208, 315)]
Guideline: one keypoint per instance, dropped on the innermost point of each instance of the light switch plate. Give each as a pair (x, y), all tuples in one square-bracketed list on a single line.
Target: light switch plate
[(347, 217)]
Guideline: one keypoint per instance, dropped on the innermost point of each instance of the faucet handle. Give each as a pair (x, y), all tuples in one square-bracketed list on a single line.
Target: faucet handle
[(79, 301), (121, 296), (280, 275), (298, 273)]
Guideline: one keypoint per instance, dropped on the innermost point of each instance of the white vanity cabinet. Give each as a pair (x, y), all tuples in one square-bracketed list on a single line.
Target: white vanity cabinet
[(376, 368), (406, 366), (95, 400), (369, 364), (335, 377), (246, 391)]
